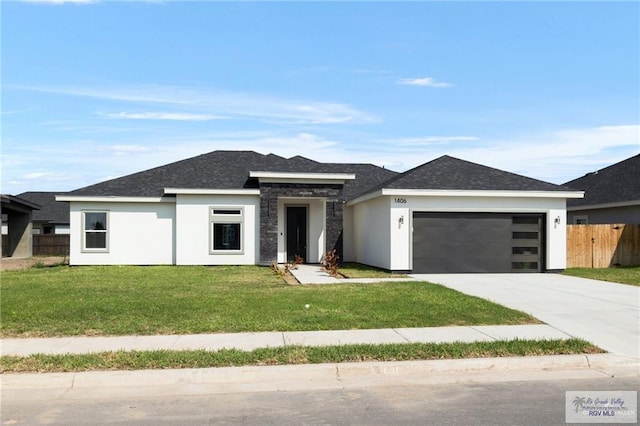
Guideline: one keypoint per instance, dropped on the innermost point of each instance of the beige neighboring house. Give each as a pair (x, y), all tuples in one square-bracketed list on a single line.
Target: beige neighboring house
[(612, 195)]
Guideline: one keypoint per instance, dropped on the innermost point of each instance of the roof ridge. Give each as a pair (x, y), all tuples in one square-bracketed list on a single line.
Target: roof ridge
[(447, 172), (400, 175)]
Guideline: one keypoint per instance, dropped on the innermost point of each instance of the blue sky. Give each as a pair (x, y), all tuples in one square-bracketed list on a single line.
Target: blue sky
[(96, 90)]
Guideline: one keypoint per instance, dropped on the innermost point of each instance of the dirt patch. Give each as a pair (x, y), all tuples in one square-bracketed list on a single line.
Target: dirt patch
[(12, 264)]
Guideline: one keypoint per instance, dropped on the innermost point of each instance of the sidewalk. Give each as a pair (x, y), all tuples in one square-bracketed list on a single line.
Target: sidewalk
[(250, 341)]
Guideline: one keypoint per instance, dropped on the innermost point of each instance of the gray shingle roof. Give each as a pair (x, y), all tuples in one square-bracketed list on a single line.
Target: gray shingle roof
[(51, 211), (230, 170), (451, 173), (617, 183)]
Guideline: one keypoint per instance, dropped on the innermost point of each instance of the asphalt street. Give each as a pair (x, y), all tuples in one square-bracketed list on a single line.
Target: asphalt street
[(530, 402)]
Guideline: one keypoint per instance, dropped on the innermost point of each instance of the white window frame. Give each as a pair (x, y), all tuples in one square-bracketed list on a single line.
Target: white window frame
[(106, 231), (222, 214)]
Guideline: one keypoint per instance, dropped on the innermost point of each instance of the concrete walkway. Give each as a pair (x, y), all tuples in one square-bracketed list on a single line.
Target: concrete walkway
[(603, 313), (250, 341), (315, 274)]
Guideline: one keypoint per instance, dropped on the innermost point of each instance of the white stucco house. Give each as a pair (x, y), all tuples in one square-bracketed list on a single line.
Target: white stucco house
[(242, 207)]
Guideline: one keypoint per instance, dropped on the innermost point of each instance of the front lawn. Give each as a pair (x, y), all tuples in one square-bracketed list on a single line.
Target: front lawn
[(128, 300), (358, 270), (621, 274)]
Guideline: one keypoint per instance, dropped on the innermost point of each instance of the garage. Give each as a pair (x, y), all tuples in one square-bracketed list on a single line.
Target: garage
[(446, 242)]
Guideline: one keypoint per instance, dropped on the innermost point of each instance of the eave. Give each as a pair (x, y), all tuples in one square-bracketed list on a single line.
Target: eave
[(204, 191), (113, 199), (465, 193), (310, 178), (630, 203)]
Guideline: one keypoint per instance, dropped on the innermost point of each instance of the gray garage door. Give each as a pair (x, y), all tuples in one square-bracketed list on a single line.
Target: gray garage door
[(477, 242)]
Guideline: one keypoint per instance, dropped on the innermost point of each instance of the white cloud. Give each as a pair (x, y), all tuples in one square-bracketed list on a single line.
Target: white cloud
[(426, 81), (176, 116), (428, 140), (271, 109), (47, 176), (555, 156), (127, 149), (58, 2)]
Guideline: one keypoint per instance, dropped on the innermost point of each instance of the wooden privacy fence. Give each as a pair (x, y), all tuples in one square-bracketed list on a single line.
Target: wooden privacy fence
[(45, 244), (50, 245), (602, 246)]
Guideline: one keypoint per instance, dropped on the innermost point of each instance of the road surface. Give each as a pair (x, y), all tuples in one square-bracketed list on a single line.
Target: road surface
[(532, 402)]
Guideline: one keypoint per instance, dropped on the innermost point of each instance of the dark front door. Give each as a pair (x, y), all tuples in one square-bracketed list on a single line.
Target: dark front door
[(296, 233)]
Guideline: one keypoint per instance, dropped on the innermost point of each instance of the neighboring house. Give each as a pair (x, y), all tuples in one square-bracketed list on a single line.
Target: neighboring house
[(17, 212), (53, 216), (232, 207), (612, 195)]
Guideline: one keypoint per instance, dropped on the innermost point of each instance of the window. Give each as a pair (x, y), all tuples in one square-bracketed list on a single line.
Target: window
[(226, 230), (581, 220), (95, 231)]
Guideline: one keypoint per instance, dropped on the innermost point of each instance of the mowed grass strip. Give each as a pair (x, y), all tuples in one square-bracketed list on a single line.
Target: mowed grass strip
[(620, 274), (290, 355), (357, 270), (134, 300)]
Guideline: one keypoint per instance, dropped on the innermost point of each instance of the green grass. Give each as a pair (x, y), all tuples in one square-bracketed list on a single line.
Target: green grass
[(125, 300), (621, 274), (358, 270), (290, 355)]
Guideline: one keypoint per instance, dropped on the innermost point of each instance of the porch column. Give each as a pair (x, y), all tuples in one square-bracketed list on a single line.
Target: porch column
[(334, 226), (20, 238), (268, 226)]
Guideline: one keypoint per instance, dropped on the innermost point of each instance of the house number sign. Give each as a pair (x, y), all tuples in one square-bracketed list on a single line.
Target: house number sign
[(401, 200)]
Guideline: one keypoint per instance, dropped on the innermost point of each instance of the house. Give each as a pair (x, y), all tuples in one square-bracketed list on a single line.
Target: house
[(242, 207), (53, 217), (612, 195), (18, 212)]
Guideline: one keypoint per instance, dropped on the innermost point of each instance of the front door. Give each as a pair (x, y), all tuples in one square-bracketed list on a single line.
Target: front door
[(296, 233)]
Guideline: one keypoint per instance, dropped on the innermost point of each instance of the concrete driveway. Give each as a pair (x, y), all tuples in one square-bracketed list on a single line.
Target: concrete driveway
[(603, 313)]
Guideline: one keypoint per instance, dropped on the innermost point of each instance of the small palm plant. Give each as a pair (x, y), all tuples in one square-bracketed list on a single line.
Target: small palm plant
[(331, 263)]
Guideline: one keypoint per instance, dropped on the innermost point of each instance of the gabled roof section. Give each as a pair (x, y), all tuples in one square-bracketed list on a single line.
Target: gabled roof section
[(51, 211), (229, 170), (15, 203), (449, 173), (618, 183)]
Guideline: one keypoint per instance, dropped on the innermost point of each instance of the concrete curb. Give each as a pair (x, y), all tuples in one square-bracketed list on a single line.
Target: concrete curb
[(96, 384)]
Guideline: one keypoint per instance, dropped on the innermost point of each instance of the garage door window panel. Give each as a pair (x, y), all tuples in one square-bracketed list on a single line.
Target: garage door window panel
[(526, 235)]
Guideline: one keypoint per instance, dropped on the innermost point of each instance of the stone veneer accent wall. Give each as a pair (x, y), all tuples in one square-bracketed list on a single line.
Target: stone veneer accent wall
[(269, 194)]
